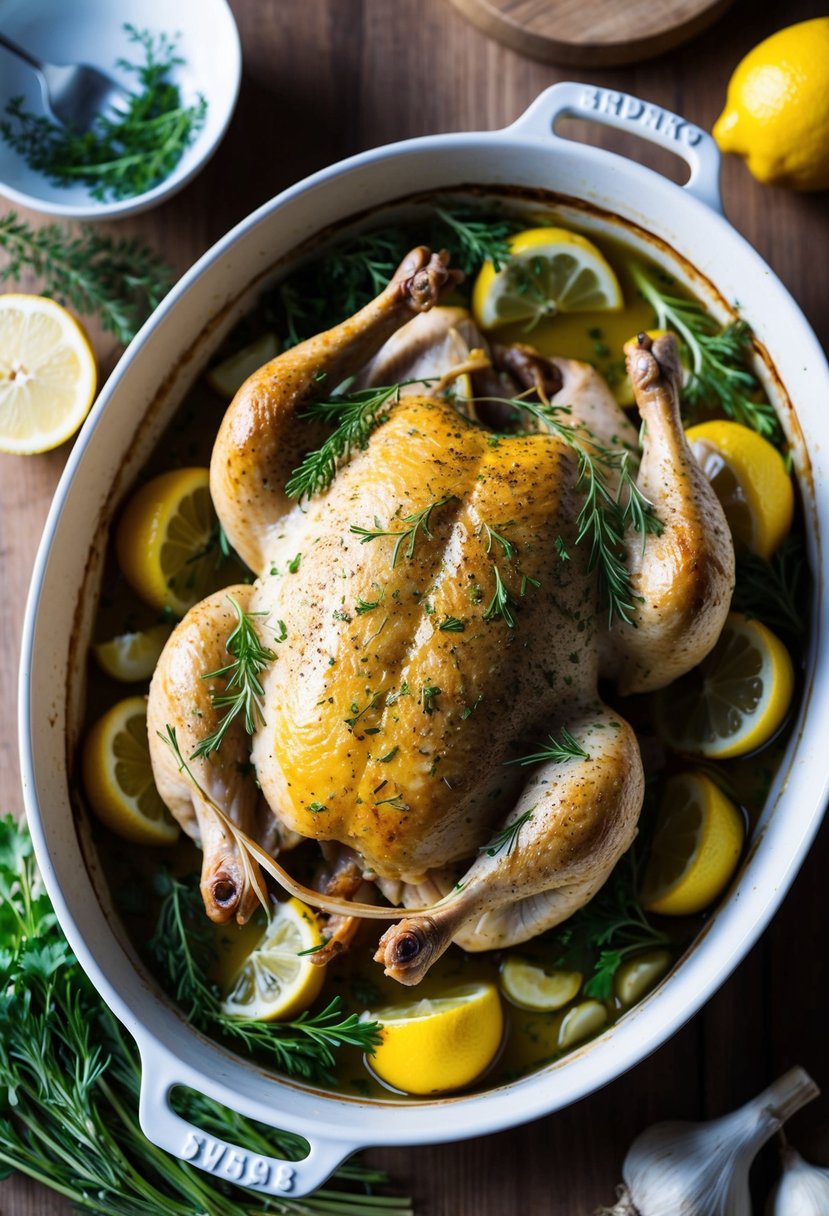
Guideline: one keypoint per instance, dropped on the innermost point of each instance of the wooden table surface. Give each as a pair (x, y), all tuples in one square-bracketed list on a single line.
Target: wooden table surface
[(323, 79)]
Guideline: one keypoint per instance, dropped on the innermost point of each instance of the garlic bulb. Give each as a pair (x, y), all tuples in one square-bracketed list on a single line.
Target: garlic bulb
[(803, 1189), (701, 1169)]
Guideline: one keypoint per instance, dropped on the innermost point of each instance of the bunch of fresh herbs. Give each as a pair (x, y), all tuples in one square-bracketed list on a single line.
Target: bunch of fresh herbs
[(70, 1079), (120, 281), (125, 152)]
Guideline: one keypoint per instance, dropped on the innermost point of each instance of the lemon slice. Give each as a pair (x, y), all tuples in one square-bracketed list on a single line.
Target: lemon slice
[(227, 377), (47, 374), (433, 1046), (696, 846), (276, 980), (531, 987), (167, 541), (750, 479), (118, 776), (131, 657), (550, 270), (735, 700)]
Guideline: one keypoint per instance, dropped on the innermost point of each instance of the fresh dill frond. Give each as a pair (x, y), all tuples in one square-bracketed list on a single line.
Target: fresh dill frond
[(243, 689), (356, 415), (567, 749), (719, 375), (118, 280), (418, 523), (507, 836), (125, 152)]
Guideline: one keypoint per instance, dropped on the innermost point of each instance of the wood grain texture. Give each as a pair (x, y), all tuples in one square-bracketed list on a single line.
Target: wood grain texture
[(323, 79), (602, 34)]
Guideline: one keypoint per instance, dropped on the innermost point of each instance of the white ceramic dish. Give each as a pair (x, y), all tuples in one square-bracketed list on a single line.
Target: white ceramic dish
[(91, 31), (149, 382)]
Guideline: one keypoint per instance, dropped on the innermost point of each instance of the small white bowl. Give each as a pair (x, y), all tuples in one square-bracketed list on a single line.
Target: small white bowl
[(91, 31)]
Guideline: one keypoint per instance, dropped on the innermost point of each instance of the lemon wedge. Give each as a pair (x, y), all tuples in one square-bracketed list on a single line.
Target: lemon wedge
[(446, 1043), (531, 987), (549, 270), (48, 376), (735, 700), (227, 377), (167, 541), (696, 846), (580, 1023), (750, 479), (118, 776), (131, 657), (277, 980), (636, 977)]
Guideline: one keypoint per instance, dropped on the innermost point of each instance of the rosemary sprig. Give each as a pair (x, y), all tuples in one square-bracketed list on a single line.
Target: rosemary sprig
[(507, 836), (451, 624), (356, 415), (124, 153), (243, 689), (567, 749), (492, 537), (604, 517), (73, 1078), (775, 591), (719, 375), (502, 603), (118, 281), (418, 523)]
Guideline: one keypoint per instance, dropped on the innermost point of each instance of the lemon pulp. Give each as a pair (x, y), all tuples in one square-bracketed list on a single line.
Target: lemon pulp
[(278, 980)]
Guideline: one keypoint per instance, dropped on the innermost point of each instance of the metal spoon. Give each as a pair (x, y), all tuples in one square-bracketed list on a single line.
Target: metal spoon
[(75, 94)]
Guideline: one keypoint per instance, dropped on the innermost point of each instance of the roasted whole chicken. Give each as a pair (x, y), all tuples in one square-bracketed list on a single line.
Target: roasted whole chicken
[(435, 614)]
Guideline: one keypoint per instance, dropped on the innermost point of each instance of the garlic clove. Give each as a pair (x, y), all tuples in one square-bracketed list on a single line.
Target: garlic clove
[(701, 1169), (803, 1189)]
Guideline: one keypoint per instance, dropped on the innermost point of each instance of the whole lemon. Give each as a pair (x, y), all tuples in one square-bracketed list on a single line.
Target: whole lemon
[(776, 113)]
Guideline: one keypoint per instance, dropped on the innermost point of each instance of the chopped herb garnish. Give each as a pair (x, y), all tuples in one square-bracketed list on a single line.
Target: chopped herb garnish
[(362, 606), (293, 564), (493, 536), (451, 624), (388, 756), (357, 713), (502, 603), (316, 807), (428, 696), (395, 802), (470, 709)]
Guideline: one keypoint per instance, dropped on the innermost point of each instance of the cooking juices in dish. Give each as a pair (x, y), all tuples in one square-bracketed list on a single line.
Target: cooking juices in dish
[(478, 627)]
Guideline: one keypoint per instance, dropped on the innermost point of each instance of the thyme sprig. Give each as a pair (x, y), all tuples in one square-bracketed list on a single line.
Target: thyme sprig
[(418, 524), (182, 947), (119, 281), (507, 836), (125, 152), (567, 749), (356, 415), (605, 516), (243, 689), (718, 375), (71, 1079)]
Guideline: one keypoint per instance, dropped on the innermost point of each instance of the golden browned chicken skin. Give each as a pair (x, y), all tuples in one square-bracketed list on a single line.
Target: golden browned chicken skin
[(401, 694)]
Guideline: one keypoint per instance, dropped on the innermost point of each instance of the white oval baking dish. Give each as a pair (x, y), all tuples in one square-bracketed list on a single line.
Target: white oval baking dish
[(136, 402)]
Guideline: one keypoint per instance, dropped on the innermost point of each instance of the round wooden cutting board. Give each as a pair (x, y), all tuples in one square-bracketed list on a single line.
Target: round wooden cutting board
[(600, 33)]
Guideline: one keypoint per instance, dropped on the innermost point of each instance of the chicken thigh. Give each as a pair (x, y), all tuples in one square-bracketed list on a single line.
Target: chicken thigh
[(439, 615)]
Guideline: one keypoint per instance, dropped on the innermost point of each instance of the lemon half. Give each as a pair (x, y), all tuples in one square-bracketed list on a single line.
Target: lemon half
[(750, 479), (695, 849), (118, 776), (433, 1046), (549, 270), (735, 700), (277, 980), (48, 376)]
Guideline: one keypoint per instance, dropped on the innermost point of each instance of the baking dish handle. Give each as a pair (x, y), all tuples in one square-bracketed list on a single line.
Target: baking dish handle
[(610, 108), (161, 1073)]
